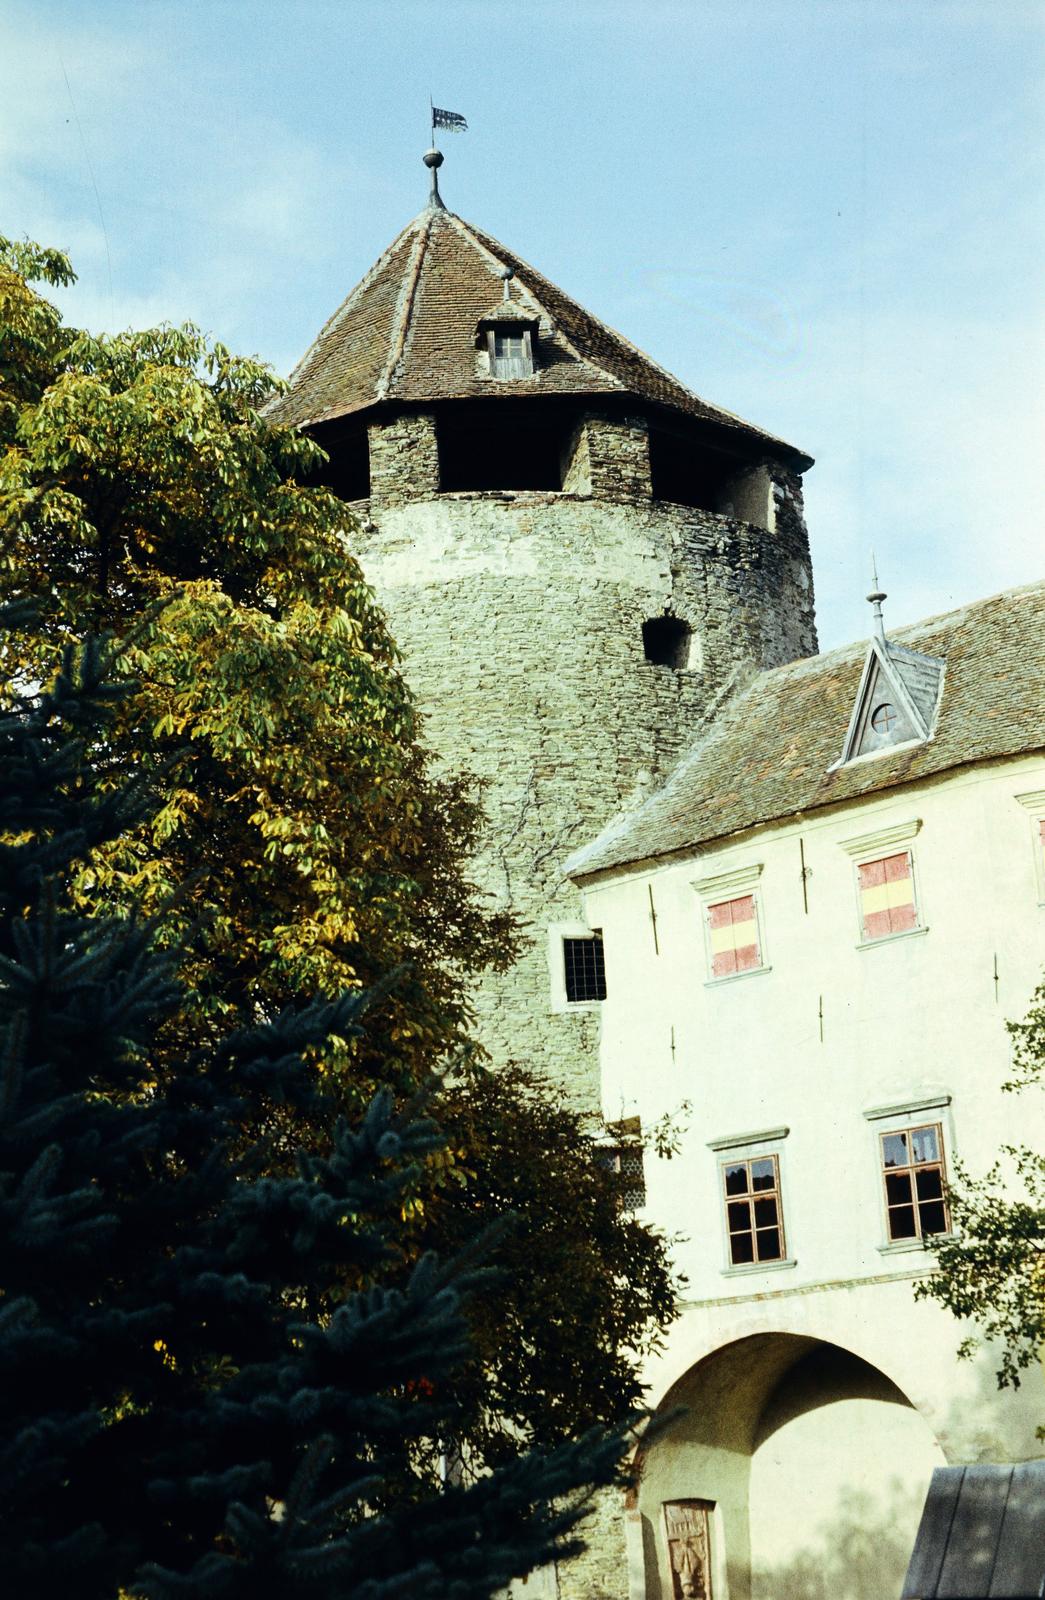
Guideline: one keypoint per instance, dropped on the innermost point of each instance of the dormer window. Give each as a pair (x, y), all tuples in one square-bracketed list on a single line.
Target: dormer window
[(507, 336), (511, 352), (898, 698)]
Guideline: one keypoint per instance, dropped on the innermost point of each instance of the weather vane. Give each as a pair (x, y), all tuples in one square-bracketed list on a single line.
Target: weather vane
[(433, 159)]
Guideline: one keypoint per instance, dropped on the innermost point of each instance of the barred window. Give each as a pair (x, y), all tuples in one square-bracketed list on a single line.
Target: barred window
[(585, 968), (914, 1176), (754, 1216), (626, 1160)]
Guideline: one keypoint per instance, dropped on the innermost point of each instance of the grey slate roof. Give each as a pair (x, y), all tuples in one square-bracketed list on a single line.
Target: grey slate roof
[(982, 1535), (407, 333), (768, 755)]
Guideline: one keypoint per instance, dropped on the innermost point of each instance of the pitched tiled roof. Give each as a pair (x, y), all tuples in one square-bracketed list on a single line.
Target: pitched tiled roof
[(407, 333), (769, 752)]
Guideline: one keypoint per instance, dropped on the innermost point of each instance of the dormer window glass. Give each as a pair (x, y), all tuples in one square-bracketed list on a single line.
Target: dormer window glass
[(511, 352), (883, 718)]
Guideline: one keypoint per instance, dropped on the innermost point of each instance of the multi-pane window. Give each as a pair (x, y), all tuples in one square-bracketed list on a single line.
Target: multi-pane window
[(887, 903), (913, 1170), (511, 353), (733, 936), (754, 1218), (585, 967)]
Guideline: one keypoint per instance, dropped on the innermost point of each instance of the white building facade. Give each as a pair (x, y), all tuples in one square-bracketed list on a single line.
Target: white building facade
[(813, 936)]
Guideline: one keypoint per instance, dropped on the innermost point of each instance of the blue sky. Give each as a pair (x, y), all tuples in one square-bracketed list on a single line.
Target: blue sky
[(828, 216)]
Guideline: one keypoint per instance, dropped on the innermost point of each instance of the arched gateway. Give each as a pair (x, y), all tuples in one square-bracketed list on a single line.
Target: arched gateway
[(795, 1470)]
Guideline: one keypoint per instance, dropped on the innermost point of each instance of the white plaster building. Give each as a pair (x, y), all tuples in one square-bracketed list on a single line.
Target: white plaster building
[(814, 933)]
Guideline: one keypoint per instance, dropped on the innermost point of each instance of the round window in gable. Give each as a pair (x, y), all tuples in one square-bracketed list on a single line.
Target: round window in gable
[(884, 719), (666, 641)]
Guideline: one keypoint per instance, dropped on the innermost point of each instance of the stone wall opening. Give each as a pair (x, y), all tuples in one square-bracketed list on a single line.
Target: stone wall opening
[(686, 470), (666, 642), (502, 447), (347, 472)]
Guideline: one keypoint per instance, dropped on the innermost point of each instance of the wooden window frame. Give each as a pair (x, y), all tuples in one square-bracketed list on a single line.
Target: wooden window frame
[(749, 1196), (527, 346), (911, 1169), (713, 905), (890, 933)]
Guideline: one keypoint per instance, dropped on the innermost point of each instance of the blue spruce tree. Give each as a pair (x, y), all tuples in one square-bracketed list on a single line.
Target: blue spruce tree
[(181, 1412)]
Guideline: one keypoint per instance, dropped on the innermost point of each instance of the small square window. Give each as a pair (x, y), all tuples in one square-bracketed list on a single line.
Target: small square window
[(733, 936), (915, 1182), (887, 899), (585, 968), (754, 1215), (627, 1162)]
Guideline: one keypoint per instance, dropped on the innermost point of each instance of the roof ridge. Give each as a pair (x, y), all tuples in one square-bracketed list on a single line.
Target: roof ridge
[(353, 295), (634, 351), (401, 317), (476, 237)]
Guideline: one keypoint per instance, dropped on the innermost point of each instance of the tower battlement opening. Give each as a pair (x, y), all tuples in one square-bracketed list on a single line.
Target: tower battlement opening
[(502, 447)]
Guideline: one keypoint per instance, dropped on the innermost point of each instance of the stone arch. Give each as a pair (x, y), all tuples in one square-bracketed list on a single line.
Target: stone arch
[(810, 1462)]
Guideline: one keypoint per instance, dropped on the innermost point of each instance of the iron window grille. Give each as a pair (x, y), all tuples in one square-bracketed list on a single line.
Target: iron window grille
[(754, 1214), (585, 968), (626, 1161), (915, 1181)]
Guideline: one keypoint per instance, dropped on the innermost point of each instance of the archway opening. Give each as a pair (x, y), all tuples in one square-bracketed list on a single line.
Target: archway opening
[(810, 1465)]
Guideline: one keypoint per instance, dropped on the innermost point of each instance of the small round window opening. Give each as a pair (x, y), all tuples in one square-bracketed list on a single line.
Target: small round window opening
[(884, 718), (666, 641)]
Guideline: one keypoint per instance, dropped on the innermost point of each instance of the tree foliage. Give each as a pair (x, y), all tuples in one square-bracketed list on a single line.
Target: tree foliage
[(580, 1270), (299, 844), (310, 845), (176, 1418), (992, 1268)]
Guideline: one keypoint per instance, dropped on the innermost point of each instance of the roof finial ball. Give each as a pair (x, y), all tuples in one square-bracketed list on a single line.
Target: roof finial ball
[(433, 160), (507, 274)]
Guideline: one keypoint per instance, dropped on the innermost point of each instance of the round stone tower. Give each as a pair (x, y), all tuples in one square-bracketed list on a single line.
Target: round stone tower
[(579, 558)]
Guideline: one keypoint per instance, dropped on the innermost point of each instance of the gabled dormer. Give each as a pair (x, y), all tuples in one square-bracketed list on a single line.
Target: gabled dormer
[(897, 700), (507, 336)]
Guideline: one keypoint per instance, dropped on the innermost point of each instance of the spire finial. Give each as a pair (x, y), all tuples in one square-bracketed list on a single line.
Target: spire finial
[(433, 160), (876, 597)]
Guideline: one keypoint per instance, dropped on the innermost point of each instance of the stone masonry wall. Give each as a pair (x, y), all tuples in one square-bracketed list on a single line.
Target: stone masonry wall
[(404, 460), (520, 618)]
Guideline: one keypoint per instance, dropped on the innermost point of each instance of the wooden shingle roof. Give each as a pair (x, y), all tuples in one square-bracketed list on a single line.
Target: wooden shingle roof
[(406, 333), (773, 749)]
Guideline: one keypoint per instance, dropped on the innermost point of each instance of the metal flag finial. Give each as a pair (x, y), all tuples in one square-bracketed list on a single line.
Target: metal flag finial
[(453, 122)]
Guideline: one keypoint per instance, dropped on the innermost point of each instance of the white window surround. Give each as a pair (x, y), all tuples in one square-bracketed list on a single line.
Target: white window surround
[(867, 847), (748, 1147), (557, 932), (931, 1106), (1034, 803), (732, 885)]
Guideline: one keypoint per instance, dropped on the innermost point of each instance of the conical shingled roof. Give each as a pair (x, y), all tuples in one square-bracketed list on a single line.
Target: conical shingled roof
[(407, 333)]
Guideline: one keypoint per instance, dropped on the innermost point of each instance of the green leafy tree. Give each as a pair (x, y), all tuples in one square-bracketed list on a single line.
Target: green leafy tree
[(301, 845), (176, 1421), (992, 1268), (310, 844), (580, 1269)]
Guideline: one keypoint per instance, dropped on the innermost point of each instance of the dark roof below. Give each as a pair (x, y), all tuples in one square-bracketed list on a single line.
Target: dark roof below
[(769, 753), (982, 1535), (406, 333)]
